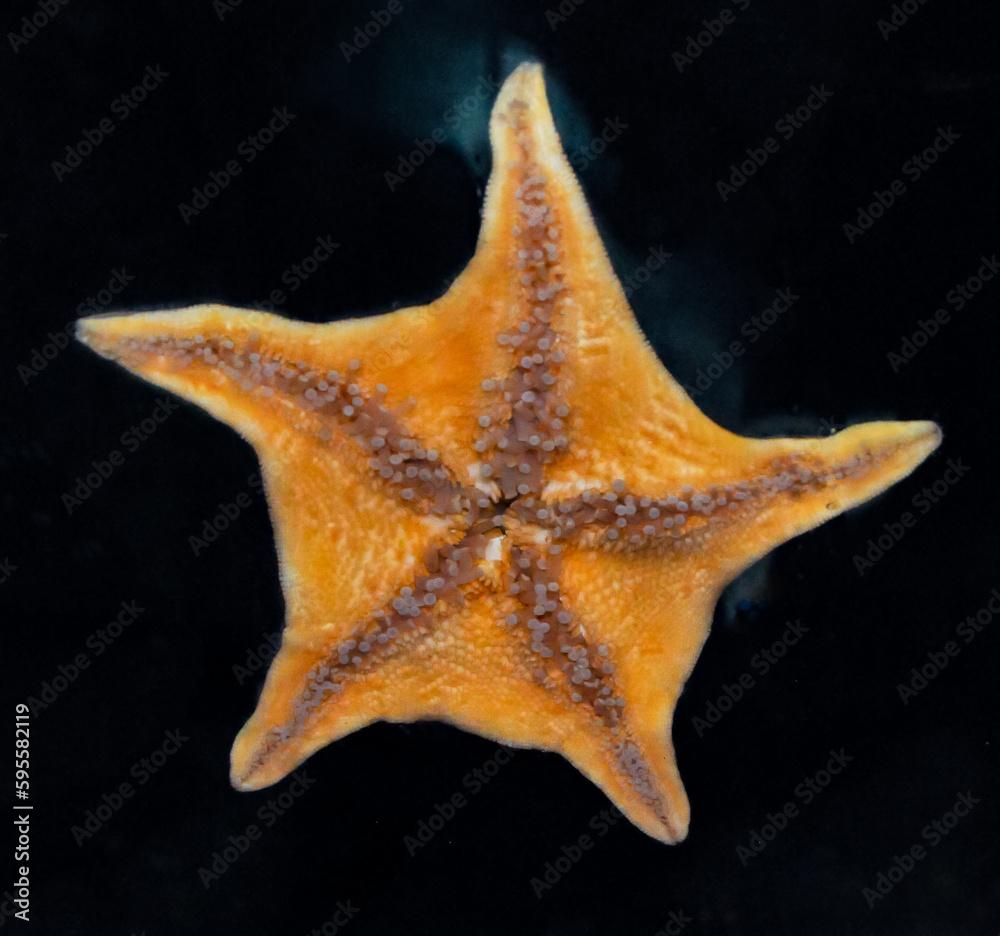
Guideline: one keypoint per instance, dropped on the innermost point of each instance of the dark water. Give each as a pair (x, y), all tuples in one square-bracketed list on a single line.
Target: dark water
[(873, 205)]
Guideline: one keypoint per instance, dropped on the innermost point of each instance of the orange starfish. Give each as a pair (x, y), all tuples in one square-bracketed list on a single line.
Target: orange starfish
[(498, 510)]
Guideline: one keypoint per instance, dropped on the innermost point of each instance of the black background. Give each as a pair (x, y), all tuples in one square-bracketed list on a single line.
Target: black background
[(823, 364)]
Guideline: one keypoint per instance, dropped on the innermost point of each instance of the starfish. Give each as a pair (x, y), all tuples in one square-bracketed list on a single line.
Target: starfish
[(498, 510)]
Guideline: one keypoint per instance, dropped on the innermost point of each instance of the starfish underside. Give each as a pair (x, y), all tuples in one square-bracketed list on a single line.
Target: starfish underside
[(498, 510)]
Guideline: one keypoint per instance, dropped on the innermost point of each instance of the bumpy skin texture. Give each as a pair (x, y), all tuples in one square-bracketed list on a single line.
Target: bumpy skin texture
[(498, 510)]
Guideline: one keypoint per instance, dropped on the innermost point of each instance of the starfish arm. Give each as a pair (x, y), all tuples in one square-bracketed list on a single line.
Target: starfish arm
[(652, 610), (315, 694), (532, 194), (540, 249), (810, 481), (492, 680), (554, 676), (748, 497), (415, 353), (535, 210)]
